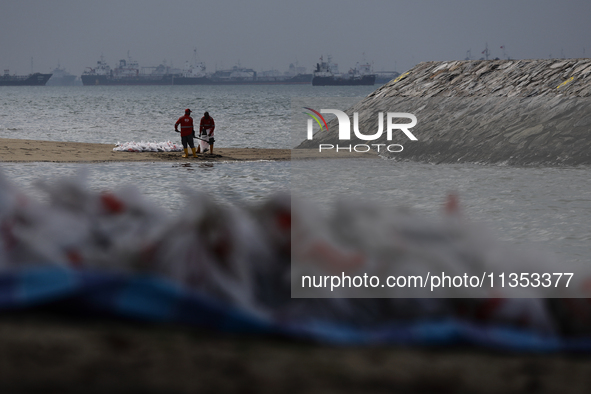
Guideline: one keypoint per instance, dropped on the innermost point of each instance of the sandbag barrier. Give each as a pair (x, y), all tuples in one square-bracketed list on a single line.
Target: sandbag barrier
[(228, 268)]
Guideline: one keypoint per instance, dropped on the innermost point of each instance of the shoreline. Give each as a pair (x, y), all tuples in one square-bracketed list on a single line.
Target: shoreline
[(26, 151), (29, 151)]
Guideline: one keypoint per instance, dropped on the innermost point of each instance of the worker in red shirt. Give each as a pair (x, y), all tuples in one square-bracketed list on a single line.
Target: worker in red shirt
[(187, 131), (206, 127)]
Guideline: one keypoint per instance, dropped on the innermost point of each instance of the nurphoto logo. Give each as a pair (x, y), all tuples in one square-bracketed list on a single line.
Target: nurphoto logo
[(345, 130)]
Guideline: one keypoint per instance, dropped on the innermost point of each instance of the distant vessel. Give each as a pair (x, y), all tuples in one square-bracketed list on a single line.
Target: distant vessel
[(129, 73), (247, 76), (192, 74), (383, 77), (327, 74), (36, 79), (61, 77)]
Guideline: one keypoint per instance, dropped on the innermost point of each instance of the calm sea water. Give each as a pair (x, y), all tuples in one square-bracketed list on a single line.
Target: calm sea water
[(245, 116), (543, 207), (163, 183), (550, 207)]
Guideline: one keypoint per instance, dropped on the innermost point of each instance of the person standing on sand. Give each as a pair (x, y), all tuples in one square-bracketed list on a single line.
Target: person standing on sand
[(206, 127), (187, 132)]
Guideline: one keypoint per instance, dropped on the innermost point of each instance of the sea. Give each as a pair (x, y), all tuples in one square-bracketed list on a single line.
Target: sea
[(548, 208)]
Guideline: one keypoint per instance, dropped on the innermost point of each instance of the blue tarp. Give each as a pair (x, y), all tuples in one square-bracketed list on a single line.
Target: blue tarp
[(154, 299)]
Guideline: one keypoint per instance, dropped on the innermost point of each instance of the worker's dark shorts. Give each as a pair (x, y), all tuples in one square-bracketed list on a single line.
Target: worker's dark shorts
[(188, 140)]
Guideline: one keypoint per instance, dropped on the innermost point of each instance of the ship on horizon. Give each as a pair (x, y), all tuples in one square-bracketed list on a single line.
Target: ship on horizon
[(327, 74), (129, 73), (383, 77), (61, 77), (35, 79)]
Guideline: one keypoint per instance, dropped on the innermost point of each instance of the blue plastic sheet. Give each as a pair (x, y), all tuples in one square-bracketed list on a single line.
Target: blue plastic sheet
[(153, 299)]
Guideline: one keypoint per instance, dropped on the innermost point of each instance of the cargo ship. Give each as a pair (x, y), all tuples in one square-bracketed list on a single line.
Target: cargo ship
[(129, 73), (247, 76), (126, 73), (383, 77), (327, 74), (36, 79), (62, 78)]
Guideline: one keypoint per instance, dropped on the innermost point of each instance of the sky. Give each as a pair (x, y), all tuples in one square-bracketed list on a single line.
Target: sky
[(271, 34)]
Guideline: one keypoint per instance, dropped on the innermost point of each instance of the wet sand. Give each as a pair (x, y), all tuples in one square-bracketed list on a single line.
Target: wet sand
[(22, 151)]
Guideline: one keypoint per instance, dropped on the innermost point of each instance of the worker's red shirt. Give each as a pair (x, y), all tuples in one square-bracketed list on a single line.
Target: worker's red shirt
[(186, 123), (207, 124)]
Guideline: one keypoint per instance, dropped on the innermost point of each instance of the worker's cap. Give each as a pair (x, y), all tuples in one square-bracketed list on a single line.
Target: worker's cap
[(187, 111), (206, 114)]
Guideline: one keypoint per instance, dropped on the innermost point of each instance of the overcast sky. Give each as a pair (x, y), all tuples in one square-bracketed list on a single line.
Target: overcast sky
[(271, 34)]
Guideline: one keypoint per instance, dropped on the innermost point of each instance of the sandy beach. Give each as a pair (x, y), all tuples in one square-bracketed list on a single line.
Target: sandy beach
[(17, 150), (23, 151)]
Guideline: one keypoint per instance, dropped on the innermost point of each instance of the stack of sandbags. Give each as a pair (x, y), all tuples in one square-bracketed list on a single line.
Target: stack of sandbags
[(254, 257), (143, 146)]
